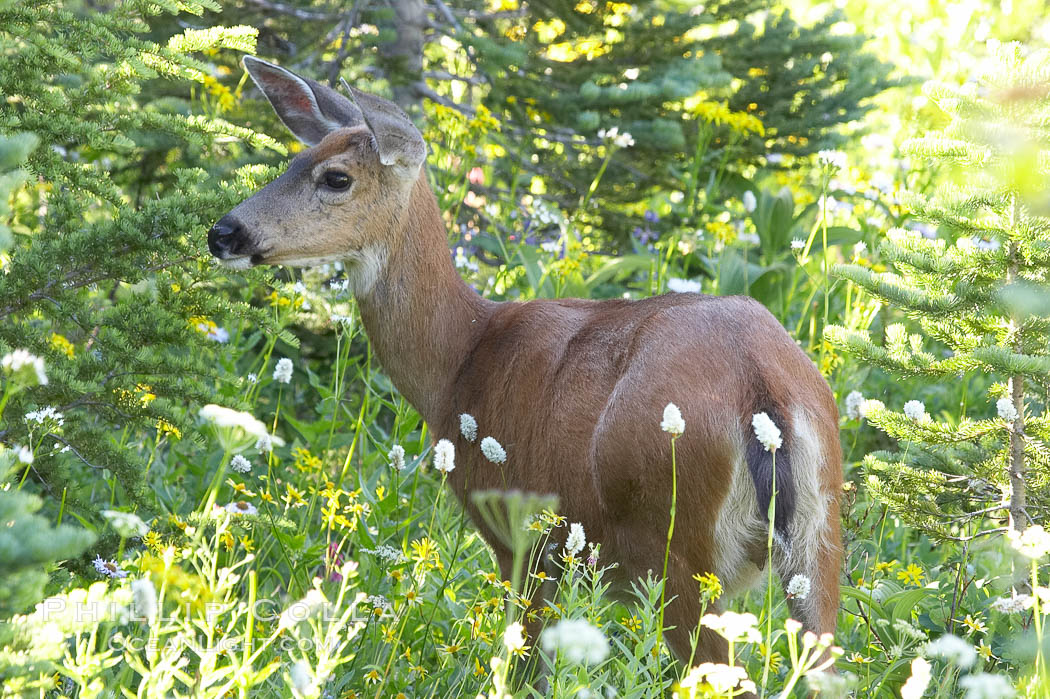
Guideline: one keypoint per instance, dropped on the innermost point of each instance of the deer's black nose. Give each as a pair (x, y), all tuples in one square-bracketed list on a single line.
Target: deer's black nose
[(226, 237)]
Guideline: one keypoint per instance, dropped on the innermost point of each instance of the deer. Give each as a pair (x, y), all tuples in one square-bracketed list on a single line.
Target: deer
[(574, 389)]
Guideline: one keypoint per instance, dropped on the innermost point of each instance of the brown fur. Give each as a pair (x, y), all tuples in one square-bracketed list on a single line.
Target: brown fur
[(573, 389)]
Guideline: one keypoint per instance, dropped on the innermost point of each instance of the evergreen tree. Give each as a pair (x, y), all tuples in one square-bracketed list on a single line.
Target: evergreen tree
[(981, 300), (105, 278)]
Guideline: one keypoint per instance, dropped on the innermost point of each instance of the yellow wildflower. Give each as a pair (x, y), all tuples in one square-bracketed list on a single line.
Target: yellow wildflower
[(61, 344), (912, 575)]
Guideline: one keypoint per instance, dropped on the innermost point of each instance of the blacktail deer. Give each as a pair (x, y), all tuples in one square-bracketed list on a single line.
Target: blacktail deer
[(573, 389)]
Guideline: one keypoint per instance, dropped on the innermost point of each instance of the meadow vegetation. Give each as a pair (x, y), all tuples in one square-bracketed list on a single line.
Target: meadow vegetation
[(209, 487)]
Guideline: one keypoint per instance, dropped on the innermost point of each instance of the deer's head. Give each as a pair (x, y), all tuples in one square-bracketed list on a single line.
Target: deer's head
[(341, 198)]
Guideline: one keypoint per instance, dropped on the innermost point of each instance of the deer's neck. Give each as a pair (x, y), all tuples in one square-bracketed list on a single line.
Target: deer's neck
[(421, 317)]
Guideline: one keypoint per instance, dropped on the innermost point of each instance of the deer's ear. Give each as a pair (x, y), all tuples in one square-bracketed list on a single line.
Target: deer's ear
[(399, 142), (309, 109)]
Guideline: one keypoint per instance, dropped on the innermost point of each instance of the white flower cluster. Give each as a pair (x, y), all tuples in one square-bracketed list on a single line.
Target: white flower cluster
[(620, 140), (396, 457), (799, 587), (444, 456), (240, 464), (144, 599), (576, 640), (916, 685), (683, 286), (955, 650), (25, 454), (766, 431), (514, 637), (44, 415), (227, 417), (673, 422), (387, 553), (282, 373), (915, 410), (127, 524), (854, 401), (1005, 408), (834, 159), (468, 427), (378, 602), (984, 685), (15, 362), (310, 605), (1033, 542), (301, 678), (797, 243), (576, 540), (493, 450), (1014, 604), (734, 627), (749, 201), (723, 680)]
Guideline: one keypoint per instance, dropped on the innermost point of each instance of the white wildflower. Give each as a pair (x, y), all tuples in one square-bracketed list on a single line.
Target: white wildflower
[(387, 553), (301, 677), (378, 602), (766, 431), (45, 415), (241, 507), (227, 417), (733, 626), (723, 680), (252, 378), (672, 422), (915, 410), (854, 401), (493, 450), (750, 238), (621, 140), (26, 365), (1033, 542), (797, 243), (576, 640), (859, 249), (1006, 410), (444, 456), (984, 685), (25, 455), (240, 464), (344, 321), (396, 457), (309, 606), (127, 524), (830, 685), (953, 649), (576, 539), (1014, 604), (514, 637), (834, 159), (283, 371), (750, 203), (144, 599), (109, 568), (799, 587), (624, 140), (919, 680), (264, 444), (217, 334), (468, 427), (683, 286)]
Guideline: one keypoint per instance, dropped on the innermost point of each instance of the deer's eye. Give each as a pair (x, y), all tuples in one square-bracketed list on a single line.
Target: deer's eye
[(339, 181)]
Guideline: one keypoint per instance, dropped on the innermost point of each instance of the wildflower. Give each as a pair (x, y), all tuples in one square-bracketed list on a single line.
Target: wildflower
[(45, 415), (722, 678), (303, 609), (127, 524), (301, 677), (953, 649), (25, 455), (444, 455), (29, 367), (217, 334), (379, 604), (514, 638), (975, 625), (387, 553), (345, 321), (620, 140), (241, 507), (859, 249), (240, 464), (1033, 542), (853, 402), (252, 378), (1014, 604), (226, 417), (733, 626), (832, 159), (984, 685), (919, 680), (1005, 408), (683, 286), (797, 243), (766, 432), (829, 684), (673, 422), (910, 575), (144, 599), (799, 587), (915, 410), (396, 457), (493, 450), (283, 371), (109, 568), (62, 345), (576, 539), (468, 427), (264, 444), (577, 640), (750, 203)]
